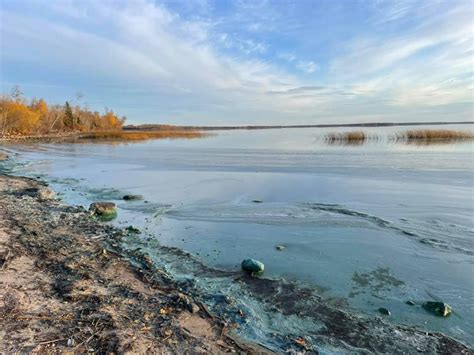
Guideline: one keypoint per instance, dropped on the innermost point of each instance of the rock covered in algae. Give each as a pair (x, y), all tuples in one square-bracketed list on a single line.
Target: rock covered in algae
[(132, 229), (252, 265), (438, 308), (104, 210)]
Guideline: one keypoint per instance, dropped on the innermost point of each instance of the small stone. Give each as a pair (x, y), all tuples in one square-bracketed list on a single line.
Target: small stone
[(70, 343), (132, 229), (132, 197), (45, 194), (193, 307), (410, 303), (42, 193), (252, 265), (384, 311), (280, 247), (181, 297), (438, 308)]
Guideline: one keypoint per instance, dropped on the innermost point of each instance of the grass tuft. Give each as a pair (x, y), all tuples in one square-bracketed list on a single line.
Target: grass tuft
[(349, 138), (433, 136)]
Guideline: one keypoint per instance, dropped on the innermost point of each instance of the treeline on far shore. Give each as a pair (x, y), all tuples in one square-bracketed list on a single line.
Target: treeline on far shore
[(35, 117)]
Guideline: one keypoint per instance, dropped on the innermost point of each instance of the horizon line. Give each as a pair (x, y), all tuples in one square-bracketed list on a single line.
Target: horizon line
[(250, 127)]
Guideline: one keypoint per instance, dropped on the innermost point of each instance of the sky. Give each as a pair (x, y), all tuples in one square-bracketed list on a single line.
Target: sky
[(231, 62)]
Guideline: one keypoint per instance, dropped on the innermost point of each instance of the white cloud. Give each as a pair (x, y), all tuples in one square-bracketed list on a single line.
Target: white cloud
[(246, 46), (428, 64), (307, 66), (144, 46), (289, 57)]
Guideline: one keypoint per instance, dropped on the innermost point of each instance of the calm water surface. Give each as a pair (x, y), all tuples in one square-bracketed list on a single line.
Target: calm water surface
[(375, 225)]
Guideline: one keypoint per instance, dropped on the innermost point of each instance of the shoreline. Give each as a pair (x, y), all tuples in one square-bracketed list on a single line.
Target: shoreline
[(159, 131), (65, 248), (67, 285)]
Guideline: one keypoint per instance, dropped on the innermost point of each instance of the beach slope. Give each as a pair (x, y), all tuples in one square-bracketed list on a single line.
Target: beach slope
[(66, 285)]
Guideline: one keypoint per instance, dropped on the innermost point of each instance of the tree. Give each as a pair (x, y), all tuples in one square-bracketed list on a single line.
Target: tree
[(111, 121), (16, 93), (68, 116), (18, 118), (40, 106)]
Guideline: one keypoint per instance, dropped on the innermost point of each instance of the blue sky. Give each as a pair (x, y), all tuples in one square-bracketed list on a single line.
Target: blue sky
[(245, 61)]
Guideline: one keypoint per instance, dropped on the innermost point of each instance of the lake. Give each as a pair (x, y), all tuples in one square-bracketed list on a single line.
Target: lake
[(371, 225)]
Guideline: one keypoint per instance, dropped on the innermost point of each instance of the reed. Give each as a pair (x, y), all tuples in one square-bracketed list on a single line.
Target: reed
[(349, 138), (142, 135), (434, 135)]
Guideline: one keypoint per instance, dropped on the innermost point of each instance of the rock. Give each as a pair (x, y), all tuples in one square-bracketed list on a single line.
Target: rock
[(3, 156), (104, 210), (252, 265), (280, 247), (438, 308), (410, 303), (132, 229), (193, 307), (132, 197), (384, 311), (45, 194), (42, 193), (181, 297), (257, 201)]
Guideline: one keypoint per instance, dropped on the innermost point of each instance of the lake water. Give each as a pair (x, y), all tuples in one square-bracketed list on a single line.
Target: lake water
[(370, 225)]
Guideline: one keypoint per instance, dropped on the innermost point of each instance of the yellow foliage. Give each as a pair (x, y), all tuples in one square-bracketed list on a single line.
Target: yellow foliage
[(18, 118), (41, 107), (111, 121)]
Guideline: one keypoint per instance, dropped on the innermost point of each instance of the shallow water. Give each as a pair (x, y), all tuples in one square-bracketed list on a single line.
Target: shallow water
[(372, 225)]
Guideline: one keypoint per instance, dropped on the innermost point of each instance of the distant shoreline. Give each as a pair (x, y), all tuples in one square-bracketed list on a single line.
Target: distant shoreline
[(147, 127)]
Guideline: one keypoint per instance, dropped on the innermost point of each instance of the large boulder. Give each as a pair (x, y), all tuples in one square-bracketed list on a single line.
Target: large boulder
[(253, 266)]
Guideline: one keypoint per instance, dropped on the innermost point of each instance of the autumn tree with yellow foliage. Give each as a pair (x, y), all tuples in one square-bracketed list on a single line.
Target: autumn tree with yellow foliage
[(18, 117)]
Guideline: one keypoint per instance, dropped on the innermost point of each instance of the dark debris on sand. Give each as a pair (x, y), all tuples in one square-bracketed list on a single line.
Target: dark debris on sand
[(67, 286)]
